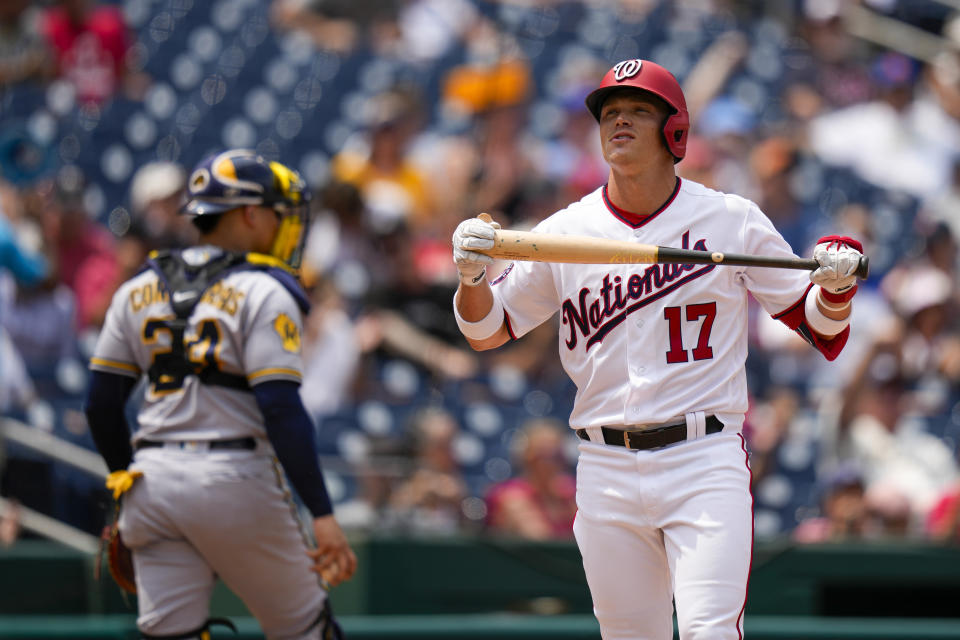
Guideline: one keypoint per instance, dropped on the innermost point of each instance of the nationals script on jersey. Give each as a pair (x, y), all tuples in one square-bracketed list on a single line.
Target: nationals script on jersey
[(246, 324), (635, 338)]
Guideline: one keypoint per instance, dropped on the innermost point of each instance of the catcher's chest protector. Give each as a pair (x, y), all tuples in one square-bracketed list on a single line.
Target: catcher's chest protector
[(185, 276), (185, 284)]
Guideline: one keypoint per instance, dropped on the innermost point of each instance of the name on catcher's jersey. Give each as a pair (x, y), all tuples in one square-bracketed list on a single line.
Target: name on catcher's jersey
[(648, 343), (246, 324)]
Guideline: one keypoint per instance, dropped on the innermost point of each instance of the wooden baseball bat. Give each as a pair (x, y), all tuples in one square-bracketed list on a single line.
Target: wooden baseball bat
[(546, 247)]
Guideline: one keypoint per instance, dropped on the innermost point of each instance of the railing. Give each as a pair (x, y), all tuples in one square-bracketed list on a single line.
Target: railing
[(79, 458)]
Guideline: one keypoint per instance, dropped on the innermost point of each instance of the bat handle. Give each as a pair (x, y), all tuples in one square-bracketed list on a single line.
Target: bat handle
[(863, 268)]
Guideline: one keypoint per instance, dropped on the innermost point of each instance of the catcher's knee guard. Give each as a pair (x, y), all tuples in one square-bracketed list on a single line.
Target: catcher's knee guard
[(203, 633)]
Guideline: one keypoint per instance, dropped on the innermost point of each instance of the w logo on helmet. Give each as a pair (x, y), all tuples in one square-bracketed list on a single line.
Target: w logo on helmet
[(626, 69)]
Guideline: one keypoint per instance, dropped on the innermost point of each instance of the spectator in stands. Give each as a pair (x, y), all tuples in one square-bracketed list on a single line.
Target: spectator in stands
[(16, 388), (410, 314), (940, 216), (766, 427), (492, 89), (480, 155), (843, 510), (9, 523), (943, 521), (536, 357), (85, 251), (342, 246), (891, 513), (378, 472), (393, 189), (540, 502), (887, 141), (337, 25), (833, 70), (415, 31), (370, 281), (331, 350), (879, 433), (26, 264), (23, 51), (772, 162), (730, 129), (156, 194), (573, 161), (396, 334), (26, 269), (91, 46), (426, 30), (429, 500), (700, 163), (713, 69), (923, 296)]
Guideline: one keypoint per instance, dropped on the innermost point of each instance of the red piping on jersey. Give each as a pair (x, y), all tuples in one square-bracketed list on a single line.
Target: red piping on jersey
[(746, 589), (506, 320), (794, 305), (633, 220), (795, 317)]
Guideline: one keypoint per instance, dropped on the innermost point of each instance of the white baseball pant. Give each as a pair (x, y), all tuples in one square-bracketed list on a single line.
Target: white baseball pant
[(674, 522)]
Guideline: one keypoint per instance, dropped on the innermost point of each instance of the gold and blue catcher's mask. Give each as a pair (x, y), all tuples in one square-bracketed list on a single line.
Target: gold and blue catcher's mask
[(240, 177), (294, 210)]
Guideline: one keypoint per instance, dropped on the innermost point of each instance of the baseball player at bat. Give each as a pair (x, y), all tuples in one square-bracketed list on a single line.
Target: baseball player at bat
[(657, 353), (215, 332)]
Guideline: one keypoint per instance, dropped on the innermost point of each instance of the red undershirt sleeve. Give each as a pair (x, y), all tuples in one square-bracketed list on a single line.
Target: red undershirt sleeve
[(795, 318)]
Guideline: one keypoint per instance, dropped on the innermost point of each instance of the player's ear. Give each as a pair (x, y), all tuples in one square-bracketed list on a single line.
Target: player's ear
[(249, 215)]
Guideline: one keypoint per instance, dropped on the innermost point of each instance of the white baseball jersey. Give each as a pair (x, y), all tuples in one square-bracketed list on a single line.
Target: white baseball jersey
[(247, 324), (650, 343)]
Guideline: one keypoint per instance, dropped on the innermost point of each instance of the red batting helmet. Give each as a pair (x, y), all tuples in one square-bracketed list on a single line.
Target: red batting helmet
[(648, 76)]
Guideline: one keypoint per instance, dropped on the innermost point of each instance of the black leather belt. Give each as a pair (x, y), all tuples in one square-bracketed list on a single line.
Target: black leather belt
[(249, 443), (651, 438)]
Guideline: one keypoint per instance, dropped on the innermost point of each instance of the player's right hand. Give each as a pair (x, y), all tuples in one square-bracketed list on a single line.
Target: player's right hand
[(333, 558), (471, 234)]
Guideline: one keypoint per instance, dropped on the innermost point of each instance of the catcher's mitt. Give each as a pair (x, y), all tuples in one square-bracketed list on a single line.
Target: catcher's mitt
[(119, 559)]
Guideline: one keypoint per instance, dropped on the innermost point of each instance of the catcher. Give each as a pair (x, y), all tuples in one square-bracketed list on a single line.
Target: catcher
[(215, 331)]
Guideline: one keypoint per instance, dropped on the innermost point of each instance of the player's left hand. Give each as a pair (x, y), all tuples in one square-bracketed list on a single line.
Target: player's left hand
[(839, 257), (333, 558)]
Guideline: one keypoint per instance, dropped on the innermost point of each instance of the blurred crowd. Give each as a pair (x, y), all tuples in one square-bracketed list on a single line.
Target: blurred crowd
[(834, 116)]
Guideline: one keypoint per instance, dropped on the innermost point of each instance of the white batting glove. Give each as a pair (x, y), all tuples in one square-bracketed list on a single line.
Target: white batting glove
[(472, 234), (839, 258)]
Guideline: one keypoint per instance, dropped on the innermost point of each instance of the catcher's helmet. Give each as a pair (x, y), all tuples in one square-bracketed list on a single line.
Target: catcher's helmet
[(648, 76), (239, 177)]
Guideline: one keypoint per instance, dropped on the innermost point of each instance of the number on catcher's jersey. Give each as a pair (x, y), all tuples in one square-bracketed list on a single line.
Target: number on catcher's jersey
[(201, 351)]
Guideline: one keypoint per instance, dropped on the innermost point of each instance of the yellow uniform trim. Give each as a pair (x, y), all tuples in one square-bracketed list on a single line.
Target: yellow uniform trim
[(272, 372), (269, 261), (113, 364)]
